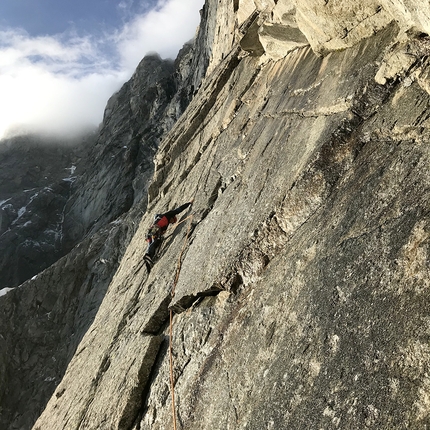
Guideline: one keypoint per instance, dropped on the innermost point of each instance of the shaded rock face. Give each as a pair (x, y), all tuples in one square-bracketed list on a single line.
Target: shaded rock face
[(135, 119), (299, 278), (133, 123), (41, 327)]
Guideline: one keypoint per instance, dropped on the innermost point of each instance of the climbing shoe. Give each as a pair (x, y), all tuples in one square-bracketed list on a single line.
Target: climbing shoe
[(148, 262)]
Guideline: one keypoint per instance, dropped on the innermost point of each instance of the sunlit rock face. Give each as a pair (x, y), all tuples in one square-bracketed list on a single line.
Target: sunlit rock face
[(298, 279), (331, 25)]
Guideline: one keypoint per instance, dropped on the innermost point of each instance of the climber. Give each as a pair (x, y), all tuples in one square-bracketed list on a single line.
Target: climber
[(155, 233)]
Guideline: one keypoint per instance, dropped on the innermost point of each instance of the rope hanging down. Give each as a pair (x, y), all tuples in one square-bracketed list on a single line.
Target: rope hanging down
[(178, 271)]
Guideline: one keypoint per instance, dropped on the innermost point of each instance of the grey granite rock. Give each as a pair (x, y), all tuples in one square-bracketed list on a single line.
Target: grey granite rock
[(298, 279)]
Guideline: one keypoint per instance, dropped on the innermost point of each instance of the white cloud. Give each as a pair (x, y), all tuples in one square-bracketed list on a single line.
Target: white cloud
[(60, 84), (164, 30)]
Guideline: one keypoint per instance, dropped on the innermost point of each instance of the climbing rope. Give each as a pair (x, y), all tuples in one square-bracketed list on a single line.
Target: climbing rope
[(178, 271), (172, 382)]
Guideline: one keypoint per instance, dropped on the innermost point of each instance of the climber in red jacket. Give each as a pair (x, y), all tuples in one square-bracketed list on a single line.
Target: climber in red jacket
[(155, 233)]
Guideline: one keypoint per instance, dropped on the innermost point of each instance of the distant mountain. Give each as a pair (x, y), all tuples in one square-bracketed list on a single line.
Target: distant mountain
[(36, 180)]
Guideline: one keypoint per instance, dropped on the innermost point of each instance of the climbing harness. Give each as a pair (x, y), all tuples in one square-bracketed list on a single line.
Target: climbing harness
[(154, 232)]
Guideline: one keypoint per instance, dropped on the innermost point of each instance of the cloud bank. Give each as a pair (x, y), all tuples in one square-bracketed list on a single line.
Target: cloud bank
[(60, 84)]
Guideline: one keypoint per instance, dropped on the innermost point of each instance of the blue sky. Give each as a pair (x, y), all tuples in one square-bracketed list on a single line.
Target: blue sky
[(60, 60)]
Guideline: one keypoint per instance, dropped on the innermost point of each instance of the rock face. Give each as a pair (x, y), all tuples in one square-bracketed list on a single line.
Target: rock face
[(299, 279)]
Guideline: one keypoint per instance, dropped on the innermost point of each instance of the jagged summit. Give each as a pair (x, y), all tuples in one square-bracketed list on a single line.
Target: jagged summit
[(300, 274)]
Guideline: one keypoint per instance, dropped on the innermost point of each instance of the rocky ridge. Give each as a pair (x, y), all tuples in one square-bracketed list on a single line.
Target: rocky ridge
[(301, 299)]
